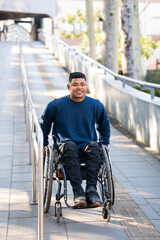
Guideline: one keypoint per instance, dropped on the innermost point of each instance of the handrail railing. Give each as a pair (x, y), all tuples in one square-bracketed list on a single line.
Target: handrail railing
[(143, 85), (35, 137)]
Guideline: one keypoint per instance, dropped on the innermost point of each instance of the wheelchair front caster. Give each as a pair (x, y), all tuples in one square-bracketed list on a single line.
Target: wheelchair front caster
[(106, 215), (58, 211)]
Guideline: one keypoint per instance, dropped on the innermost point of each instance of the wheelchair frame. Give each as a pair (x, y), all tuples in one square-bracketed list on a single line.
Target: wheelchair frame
[(53, 170)]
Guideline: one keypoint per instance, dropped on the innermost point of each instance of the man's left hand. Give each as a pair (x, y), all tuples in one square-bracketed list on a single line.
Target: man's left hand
[(106, 147)]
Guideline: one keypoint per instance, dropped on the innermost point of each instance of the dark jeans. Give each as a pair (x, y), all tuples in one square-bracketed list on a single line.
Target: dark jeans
[(91, 154)]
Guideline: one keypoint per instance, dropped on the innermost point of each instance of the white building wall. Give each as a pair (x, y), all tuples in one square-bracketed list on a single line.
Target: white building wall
[(150, 18), (49, 7)]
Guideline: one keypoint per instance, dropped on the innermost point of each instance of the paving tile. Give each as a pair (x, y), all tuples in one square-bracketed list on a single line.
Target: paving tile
[(134, 165), (125, 158), (23, 237), (21, 149), (154, 203), (7, 164), (4, 193), (22, 185), (5, 173), (3, 233), (20, 196), (156, 223), (23, 160), (6, 137), (123, 152), (82, 215), (129, 187), (145, 181), (23, 210), (149, 192), (29, 226), (21, 177), (3, 219), (143, 172), (120, 177), (95, 230), (51, 236), (138, 198), (4, 204), (149, 212), (6, 151), (145, 238), (22, 168), (5, 182)]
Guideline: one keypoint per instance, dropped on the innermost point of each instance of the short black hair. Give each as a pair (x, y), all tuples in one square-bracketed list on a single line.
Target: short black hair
[(76, 75)]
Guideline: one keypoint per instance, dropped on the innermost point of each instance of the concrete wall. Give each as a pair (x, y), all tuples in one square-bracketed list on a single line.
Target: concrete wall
[(133, 109)]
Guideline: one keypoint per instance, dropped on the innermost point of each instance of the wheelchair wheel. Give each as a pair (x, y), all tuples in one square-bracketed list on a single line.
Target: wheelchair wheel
[(58, 211), (106, 215), (108, 182), (48, 178)]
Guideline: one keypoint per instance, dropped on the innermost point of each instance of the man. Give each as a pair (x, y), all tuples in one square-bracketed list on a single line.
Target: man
[(75, 118), (5, 31)]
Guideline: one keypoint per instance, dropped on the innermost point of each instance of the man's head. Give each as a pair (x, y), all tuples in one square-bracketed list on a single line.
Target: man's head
[(76, 75), (77, 86)]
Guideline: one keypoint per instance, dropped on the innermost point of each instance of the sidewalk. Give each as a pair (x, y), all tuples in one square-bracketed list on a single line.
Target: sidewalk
[(137, 173)]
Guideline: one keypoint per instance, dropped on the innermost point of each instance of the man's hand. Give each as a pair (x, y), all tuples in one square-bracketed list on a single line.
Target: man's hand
[(106, 147), (44, 150)]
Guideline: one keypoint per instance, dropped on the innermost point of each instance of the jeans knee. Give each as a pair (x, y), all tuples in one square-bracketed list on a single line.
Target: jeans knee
[(92, 146), (70, 145)]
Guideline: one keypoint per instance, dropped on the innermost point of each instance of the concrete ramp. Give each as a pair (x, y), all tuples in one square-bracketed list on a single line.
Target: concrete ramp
[(136, 213)]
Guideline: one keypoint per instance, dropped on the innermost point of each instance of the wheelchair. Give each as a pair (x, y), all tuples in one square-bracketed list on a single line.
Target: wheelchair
[(54, 170)]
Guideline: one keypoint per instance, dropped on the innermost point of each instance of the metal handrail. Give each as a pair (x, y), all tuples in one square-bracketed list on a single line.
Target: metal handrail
[(35, 137), (144, 85)]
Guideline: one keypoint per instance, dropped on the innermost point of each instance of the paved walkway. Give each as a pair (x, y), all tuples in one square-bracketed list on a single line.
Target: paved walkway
[(136, 213)]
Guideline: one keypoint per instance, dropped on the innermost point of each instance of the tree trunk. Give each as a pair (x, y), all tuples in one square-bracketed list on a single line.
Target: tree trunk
[(90, 28), (131, 59), (127, 29), (110, 49), (136, 41)]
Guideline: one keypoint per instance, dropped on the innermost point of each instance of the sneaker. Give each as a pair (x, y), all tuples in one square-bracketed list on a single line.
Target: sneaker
[(79, 200), (93, 199)]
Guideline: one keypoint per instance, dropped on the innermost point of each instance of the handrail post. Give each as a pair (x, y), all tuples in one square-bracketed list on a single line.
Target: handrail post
[(33, 161), (152, 93), (30, 130), (27, 118), (123, 83), (40, 192)]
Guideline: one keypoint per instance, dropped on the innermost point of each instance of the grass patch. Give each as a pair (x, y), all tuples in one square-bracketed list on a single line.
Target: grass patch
[(157, 92), (153, 76)]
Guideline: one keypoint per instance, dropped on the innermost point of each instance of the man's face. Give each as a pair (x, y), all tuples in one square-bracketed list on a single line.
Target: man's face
[(78, 89)]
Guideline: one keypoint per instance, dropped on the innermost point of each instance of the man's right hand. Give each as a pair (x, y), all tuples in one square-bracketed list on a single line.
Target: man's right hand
[(44, 150)]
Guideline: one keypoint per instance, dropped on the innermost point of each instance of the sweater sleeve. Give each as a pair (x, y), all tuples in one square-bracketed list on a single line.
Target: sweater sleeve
[(103, 125), (46, 121)]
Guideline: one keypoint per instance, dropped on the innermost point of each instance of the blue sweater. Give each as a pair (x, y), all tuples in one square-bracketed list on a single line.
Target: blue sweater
[(76, 121)]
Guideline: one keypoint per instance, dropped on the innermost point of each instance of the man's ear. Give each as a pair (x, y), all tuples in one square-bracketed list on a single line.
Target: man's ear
[(68, 86)]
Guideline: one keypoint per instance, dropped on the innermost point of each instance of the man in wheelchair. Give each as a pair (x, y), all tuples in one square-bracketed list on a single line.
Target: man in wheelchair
[(75, 118)]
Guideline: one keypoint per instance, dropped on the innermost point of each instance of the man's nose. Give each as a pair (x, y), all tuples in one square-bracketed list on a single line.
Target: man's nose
[(79, 86)]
